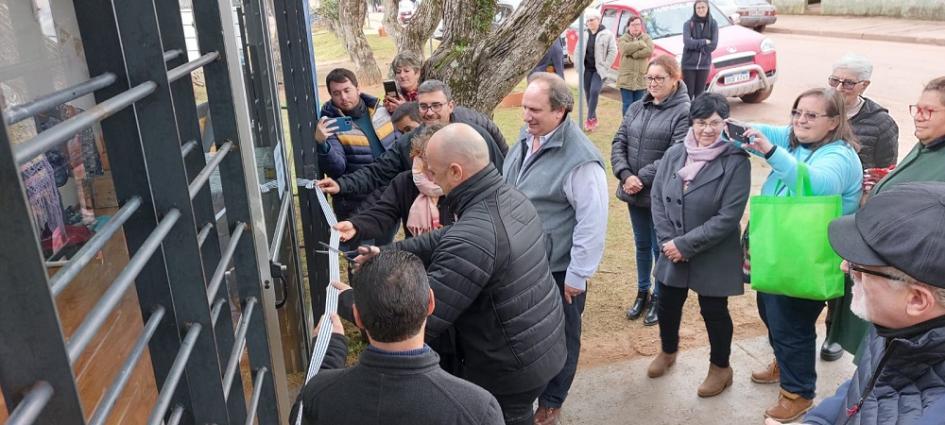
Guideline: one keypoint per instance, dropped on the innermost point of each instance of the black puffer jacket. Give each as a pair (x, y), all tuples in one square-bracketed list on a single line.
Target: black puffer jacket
[(397, 160), (647, 130), (491, 279), (878, 135), (472, 116), (392, 206)]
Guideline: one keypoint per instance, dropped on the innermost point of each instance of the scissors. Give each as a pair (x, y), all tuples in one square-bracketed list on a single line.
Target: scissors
[(348, 255)]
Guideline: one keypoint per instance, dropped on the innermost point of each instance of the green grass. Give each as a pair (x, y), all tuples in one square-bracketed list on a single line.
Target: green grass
[(329, 48)]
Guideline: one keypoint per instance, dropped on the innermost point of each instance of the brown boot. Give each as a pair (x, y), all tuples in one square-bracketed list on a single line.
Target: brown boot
[(716, 381), (769, 375), (547, 415), (661, 364), (790, 407)]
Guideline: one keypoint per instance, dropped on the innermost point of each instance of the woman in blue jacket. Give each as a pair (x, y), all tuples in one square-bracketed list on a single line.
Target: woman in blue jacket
[(700, 38), (821, 137)]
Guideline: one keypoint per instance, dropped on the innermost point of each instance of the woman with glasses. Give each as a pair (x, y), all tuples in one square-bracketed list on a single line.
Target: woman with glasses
[(698, 200), (649, 127), (820, 137)]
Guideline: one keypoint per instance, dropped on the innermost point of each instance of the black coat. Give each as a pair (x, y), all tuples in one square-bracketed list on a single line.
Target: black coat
[(699, 41), (397, 160), (877, 134), (474, 117), (393, 205), (644, 135), (390, 390), (490, 276)]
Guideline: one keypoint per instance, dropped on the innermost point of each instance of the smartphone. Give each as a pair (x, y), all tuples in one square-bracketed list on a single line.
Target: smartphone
[(343, 124), (390, 88), (736, 132)]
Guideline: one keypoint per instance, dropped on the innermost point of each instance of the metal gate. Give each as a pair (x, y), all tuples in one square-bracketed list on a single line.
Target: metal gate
[(182, 272)]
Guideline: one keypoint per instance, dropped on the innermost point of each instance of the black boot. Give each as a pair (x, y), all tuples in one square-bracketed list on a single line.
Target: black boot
[(636, 310), (651, 316), (831, 351)]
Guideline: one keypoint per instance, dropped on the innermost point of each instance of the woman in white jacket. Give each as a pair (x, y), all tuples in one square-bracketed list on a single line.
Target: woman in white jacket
[(601, 50)]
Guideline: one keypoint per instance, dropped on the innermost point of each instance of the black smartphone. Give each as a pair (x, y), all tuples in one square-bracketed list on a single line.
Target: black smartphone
[(390, 88), (343, 124), (736, 132)]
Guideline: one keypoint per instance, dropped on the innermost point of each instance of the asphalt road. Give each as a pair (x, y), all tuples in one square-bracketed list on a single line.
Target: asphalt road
[(899, 73)]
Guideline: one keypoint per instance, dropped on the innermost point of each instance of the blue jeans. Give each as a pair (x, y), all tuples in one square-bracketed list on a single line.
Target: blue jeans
[(630, 96), (592, 88), (791, 332), (557, 389), (647, 245)]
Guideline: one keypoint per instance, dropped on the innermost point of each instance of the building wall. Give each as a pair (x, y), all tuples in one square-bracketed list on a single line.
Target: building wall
[(912, 9)]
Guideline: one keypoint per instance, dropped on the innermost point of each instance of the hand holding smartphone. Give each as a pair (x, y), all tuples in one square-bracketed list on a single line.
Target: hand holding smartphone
[(736, 132), (390, 89), (343, 124)]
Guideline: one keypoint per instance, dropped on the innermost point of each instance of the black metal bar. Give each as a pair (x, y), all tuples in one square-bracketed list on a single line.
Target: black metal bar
[(204, 175), (187, 68), (188, 147), (218, 275), (115, 389), (32, 405), (173, 378), (112, 296), (172, 54), (233, 365), (29, 308), (216, 309), (276, 246), (257, 392), (65, 130), (64, 276), (204, 232), (17, 113)]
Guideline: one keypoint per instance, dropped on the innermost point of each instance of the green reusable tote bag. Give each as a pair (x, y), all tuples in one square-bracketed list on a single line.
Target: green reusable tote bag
[(790, 252)]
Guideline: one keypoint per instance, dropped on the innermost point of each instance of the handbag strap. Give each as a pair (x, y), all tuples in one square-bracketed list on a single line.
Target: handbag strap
[(802, 186)]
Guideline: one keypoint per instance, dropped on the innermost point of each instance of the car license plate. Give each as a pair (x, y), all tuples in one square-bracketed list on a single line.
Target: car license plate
[(756, 12), (737, 78)]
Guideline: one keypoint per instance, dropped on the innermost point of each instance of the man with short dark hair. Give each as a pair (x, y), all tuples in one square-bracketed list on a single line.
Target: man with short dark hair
[(342, 152), (894, 249), (397, 379), (406, 117)]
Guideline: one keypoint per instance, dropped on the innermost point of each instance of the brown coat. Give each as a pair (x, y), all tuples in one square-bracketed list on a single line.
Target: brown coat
[(634, 55)]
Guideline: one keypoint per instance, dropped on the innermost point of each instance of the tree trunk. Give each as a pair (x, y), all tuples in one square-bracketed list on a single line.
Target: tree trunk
[(421, 27), (352, 29), (391, 25), (481, 64)]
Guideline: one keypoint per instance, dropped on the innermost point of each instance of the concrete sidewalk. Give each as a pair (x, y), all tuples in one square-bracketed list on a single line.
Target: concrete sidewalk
[(862, 28), (621, 394)]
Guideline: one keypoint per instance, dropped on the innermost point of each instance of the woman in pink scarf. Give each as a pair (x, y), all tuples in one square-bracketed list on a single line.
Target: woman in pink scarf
[(698, 199), (410, 198)]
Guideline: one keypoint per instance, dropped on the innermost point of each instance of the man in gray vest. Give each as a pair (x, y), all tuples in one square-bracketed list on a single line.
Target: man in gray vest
[(558, 168)]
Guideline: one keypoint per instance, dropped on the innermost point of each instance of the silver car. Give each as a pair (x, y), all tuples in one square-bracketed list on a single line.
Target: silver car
[(755, 14)]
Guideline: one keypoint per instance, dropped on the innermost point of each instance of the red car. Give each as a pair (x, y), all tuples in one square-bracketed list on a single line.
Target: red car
[(744, 65)]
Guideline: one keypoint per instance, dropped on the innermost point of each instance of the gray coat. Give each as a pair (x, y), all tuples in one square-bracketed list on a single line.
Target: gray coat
[(647, 130), (703, 221)]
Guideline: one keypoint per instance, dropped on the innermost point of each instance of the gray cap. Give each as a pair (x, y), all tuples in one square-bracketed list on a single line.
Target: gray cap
[(902, 227)]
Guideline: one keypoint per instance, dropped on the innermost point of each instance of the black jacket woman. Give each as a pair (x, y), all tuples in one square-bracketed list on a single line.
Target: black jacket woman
[(648, 129), (700, 38), (698, 199)]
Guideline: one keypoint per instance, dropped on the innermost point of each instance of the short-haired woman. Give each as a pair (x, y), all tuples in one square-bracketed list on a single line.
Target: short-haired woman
[(406, 68), (698, 200), (649, 127), (820, 137)]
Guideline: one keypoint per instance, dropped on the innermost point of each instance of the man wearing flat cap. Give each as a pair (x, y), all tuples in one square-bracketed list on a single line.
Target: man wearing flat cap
[(894, 249)]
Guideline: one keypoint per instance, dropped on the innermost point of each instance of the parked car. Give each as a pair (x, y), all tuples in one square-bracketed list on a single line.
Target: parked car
[(503, 9), (405, 9), (744, 65), (754, 14)]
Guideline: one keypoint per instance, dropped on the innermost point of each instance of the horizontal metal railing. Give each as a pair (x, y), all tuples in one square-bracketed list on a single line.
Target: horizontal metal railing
[(114, 390), (220, 272), (204, 232), (103, 308), (32, 404), (233, 364), (65, 130), (188, 147), (176, 415), (215, 310), (204, 174), (257, 391), (172, 54), (174, 375), (176, 73), (17, 113), (73, 267)]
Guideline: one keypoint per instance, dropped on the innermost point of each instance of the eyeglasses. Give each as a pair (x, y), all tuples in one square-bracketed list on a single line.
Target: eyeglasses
[(435, 107), (921, 112), (657, 80), (859, 269), (700, 124), (847, 84), (809, 116)]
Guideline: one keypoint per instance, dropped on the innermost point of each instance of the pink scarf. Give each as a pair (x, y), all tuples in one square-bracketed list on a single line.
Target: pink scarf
[(697, 157), (424, 215)]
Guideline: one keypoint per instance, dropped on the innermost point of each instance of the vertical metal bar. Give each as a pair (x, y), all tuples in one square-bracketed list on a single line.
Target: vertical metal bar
[(32, 347), (177, 370), (102, 46), (231, 121), (580, 70), (257, 393), (32, 405)]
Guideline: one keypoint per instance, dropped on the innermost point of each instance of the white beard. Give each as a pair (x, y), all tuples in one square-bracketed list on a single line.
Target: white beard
[(858, 304)]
